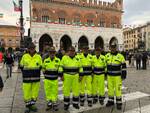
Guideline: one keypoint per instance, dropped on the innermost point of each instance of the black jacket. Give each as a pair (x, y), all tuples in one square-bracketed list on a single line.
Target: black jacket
[(9, 60), (1, 82)]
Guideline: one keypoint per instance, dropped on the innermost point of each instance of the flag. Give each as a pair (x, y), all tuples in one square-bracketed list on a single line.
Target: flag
[(17, 8), (1, 15)]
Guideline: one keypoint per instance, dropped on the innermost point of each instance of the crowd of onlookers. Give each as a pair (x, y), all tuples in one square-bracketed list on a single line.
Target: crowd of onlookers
[(139, 59)]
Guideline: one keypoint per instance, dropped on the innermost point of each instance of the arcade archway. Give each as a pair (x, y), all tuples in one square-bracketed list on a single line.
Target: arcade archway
[(99, 42), (45, 41), (113, 40), (65, 42), (83, 41)]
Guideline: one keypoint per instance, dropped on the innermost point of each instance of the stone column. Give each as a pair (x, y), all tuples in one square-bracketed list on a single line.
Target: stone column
[(91, 45), (106, 46)]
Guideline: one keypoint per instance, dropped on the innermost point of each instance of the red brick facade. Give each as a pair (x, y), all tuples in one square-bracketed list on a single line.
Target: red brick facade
[(81, 12)]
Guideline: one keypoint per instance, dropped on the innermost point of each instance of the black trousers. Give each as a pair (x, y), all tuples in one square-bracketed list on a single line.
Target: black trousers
[(144, 64), (138, 64)]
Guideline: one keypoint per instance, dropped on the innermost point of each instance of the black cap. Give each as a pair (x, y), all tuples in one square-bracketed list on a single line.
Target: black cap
[(31, 45), (52, 49)]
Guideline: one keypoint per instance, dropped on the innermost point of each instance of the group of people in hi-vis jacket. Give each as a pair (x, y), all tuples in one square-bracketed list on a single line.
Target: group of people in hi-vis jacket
[(82, 74)]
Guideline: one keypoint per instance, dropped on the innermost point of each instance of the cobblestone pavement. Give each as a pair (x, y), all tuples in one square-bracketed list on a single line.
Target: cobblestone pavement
[(136, 99)]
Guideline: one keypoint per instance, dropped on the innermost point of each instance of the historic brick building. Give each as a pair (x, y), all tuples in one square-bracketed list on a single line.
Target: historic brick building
[(77, 22), (9, 36)]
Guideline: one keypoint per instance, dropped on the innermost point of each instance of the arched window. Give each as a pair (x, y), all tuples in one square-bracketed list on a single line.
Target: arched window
[(114, 22), (102, 22), (76, 18), (83, 41), (90, 19), (65, 42), (62, 17), (46, 15), (99, 42), (77, 21), (113, 40), (62, 20), (45, 18), (44, 41), (90, 22)]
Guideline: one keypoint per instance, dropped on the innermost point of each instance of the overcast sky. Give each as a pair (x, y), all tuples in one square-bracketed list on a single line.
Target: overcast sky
[(135, 12)]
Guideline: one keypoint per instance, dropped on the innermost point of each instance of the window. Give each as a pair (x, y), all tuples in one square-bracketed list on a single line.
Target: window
[(17, 41), (13, 41), (113, 25), (62, 21), (9, 41), (90, 22), (77, 21), (102, 22), (138, 30), (45, 18), (134, 36)]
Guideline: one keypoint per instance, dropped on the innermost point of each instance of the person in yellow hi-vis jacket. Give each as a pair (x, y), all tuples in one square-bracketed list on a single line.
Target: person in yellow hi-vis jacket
[(116, 72), (50, 70), (71, 68), (86, 82), (31, 64), (99, 67)]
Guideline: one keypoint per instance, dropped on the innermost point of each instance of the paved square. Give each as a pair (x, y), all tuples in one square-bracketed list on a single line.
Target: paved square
[(136, 96)]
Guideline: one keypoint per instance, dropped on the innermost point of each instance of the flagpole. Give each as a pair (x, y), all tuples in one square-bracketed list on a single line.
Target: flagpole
[(21, 24)]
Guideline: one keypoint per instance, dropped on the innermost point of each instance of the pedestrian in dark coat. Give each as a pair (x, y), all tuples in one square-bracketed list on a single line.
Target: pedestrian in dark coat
[(9, 63), (138, 57), (1, 84), (144, 60)]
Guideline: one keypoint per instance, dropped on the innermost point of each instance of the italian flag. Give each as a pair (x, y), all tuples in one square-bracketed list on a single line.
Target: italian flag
[(17, 8)]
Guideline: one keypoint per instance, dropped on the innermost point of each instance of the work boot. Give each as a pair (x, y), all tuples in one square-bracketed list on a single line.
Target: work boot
[(55, 107), (109, 103), (82, 99), (49, 106), (101, 102), (66, 107), (27, 110), (76, 106), (119, 106), (90, 103), (33, 108), (94, 101), (81, 103)]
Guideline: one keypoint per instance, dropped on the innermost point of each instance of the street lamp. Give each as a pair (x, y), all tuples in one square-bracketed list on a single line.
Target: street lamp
[(21, 23)]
